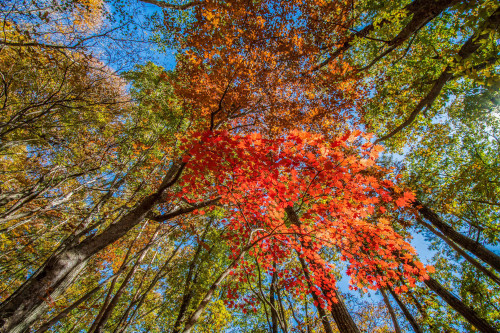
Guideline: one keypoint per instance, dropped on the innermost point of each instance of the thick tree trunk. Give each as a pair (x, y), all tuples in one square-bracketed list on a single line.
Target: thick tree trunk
[(42, 305), (465, 242), (339, 312), (406, 312), (28, 302), (469, 314), (394, 318), (342, 317)]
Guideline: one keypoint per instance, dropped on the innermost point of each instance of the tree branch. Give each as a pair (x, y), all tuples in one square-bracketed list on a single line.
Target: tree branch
[(172, 6), (183, 210), (467, 49)]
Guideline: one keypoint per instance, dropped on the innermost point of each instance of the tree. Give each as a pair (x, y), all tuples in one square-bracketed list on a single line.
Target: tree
[(196, 187)]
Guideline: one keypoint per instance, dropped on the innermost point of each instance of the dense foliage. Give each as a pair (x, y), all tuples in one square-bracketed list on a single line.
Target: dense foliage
[(283, 175)]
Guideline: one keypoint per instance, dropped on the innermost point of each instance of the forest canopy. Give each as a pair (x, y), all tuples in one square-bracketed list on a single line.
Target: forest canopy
[(249, 166)]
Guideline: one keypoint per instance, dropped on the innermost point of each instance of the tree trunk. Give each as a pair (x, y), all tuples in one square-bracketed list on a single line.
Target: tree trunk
[(283, 321), (469, 314), (406, 312), (394, 318), (42, 303), (465, 242), (467, 50), (28, 303), (104, 306), (422, 12), (188, 293), (114, 301), (162, 272), (464, 254), (63, 314), (342, 318), (321, 312), (208, 295), (274, 313)]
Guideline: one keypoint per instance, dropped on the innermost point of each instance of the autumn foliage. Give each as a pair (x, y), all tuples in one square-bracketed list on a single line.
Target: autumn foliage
[(245, 177), (336, 186), (252, 64)]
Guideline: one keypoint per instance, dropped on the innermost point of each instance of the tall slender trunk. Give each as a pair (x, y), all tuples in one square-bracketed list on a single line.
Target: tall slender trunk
[(210, 292), (274, 313), (422, 12), (114, 301), (283, 320), (339, 312), (190, 281), (27, 303), (394, 318), (81, 318), (406, 312), (419, 306), (135, 297), (321, 312), (469, 314), (104, 305), (162, 272), (464, 254), (465, 242), (467, 50), (63, 314), (308, 322)]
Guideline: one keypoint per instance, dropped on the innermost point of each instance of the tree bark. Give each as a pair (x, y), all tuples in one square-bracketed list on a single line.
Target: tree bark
[(188, 288), (464, 254), (208, 295), (406, 312), (27, 303), (394, 318), (63, 314), (114, 301), (159, 275), (422, 11), (465, 242), (105, 304), (466, 51), (282, 312), (469, 314), (342, 318), (274, 313), (321, 312)]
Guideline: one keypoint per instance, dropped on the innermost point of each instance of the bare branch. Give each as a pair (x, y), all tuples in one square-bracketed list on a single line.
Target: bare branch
[(172, 6)]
